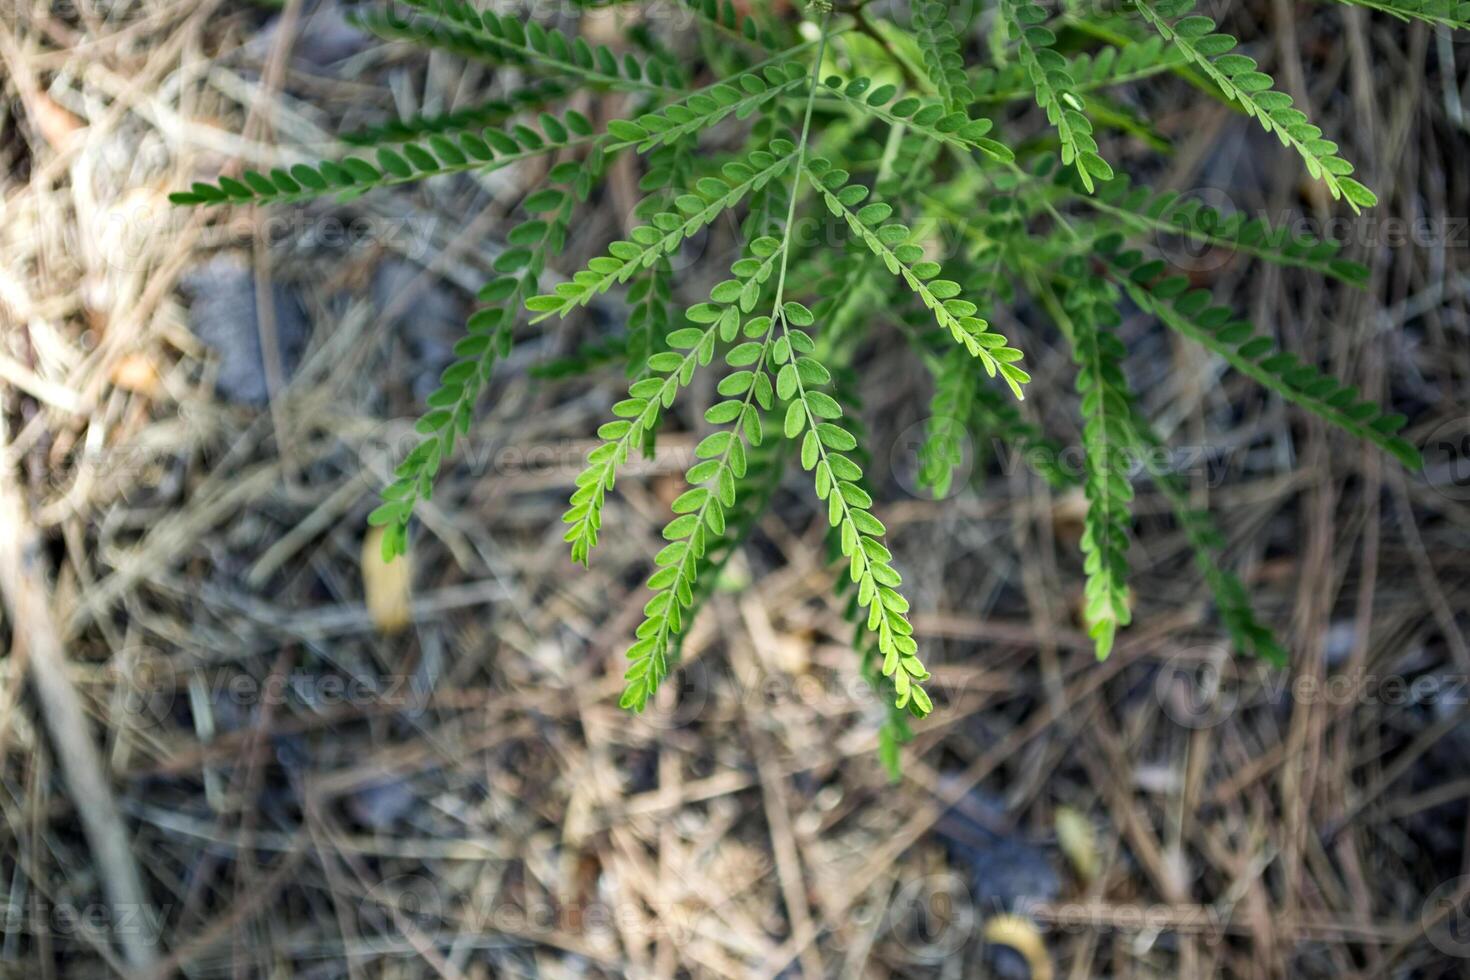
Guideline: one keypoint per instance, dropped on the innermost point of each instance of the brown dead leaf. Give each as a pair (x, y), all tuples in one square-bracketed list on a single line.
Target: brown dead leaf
[(1317, 195), (136, 373), (1020, 934), (1069, 515), (56, 125), (1078, 840), (387, 586)]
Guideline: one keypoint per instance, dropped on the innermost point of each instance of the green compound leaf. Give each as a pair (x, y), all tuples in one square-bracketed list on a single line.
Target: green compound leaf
[(1242, 81)]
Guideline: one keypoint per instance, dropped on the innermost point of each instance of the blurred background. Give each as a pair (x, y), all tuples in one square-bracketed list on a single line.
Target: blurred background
[(233, 744)]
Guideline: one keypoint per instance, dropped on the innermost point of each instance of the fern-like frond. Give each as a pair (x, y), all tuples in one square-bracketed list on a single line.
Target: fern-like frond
[(648, 314), (488, 337), (441, 153), (722, 14), (695, 209), (1232, 602), (650, 296), (765, 465), (1189, 312), (1141, 210), (702, 509), (666, 373), (1454, 14), (1000, 418), (813, 416), (1107, 440), (1111, 65), (945, 434), (701, 517), (387, 24), (739, 96), (473, 32), (1244, 83), (944, 62), (1014, 235), (1054, 88), (895, 730), (891, 242), (492, 111), (955, 401), (951, 128)]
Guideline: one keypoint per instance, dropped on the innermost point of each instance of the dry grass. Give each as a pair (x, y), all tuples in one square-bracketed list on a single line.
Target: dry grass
[(310, 791)]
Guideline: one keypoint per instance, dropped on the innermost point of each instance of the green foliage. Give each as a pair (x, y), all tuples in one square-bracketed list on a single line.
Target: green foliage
[(738, 97), (1054, 89), (814, 417), (666, 230), (887, 207), (1242, 81), (944, 62), (945, 432), (1107, 440), (654, 391), (891, 242), (1216, 328), (448, 151), (931, 119), (486, 113), (722, 14), (1112, 65), (1138, 209), (1249, 637), (1442, 13), (1000, 419), (483, 34)]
